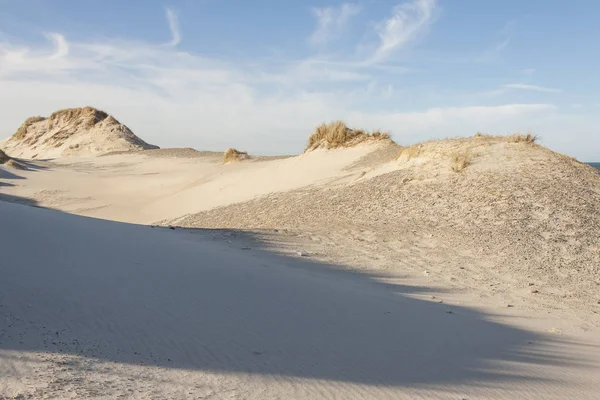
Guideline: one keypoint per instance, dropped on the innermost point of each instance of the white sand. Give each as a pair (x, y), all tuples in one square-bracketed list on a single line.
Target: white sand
[(143, 189), (99, 309)]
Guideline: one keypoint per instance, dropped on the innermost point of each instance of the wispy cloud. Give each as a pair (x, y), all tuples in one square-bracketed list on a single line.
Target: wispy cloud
[(246, 104), (535, 88), (331, 21), (406, 23), (173, 21), (61, 47)]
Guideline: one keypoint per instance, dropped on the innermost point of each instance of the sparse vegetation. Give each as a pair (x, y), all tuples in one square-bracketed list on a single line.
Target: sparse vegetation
[(10, 162), (461, 160), (337, 134), (410, 152), (22, 131), (89, 116), (528, 138), (232, 155), (15, 164)]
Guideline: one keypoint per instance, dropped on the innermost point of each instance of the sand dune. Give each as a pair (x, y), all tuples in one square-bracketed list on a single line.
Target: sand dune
[(73, 131), (462, 268), (174, 314)]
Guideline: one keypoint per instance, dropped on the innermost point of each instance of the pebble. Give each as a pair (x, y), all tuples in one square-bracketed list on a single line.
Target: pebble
[(302, 254), (535, 291)]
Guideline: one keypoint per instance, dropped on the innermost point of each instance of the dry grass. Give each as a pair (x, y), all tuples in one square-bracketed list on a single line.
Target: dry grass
[(22, 131), (528, 138), (89, 116), (9, 162), (461, 160), (410, 152), (15, 164), (232, 155), (337, 134)]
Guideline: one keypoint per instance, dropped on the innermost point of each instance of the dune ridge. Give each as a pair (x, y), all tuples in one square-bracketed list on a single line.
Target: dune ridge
[(360, 268), (74, 131)]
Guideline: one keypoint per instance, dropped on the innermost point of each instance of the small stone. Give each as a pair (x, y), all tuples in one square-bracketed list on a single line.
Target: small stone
[(535, 291), (302, 254), (509, 306), (449, 312), (172, 228)]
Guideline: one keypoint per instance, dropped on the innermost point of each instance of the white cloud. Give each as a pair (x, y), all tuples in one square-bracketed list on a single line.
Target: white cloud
[(331, 22), (522, 86), (173, 98), (173, 21), (60, 45), (407, 22)]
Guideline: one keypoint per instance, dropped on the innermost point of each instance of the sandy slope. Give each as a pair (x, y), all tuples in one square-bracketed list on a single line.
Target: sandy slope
[(173, 314), (146, 187), (509, 245), (73, 131)]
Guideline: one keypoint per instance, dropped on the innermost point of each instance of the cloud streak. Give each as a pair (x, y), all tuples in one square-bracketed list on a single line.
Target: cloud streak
[(407, 22), (535, 88), (173, 21), (331, 21), (176, 98)]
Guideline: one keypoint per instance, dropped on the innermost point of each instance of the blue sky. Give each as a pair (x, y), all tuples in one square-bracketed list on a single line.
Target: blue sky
[(260, 75)]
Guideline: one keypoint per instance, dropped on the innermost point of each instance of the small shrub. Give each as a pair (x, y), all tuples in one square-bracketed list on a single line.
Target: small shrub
[(528, 138), (460, 161), (232, 155)]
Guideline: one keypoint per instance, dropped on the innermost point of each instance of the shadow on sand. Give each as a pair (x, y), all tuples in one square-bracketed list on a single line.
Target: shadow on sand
[(188, 299)]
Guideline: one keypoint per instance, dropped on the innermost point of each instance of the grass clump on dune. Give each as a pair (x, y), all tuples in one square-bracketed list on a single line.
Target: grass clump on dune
[(9, 162), (410, 152), (232, 155), (22, 131), (527, 138), (461, 160), (337, 134)]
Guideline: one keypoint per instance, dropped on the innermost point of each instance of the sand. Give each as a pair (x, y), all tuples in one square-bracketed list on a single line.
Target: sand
[(73, 131), (334, 274)]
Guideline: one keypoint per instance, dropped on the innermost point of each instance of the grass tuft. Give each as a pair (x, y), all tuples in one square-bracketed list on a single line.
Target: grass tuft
[(22, 131), (410, 152), (337, 134), (528, 138), (461, 160), (232, 155)]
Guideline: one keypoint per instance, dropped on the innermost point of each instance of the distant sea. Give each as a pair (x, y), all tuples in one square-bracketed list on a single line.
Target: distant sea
[(595, 164)]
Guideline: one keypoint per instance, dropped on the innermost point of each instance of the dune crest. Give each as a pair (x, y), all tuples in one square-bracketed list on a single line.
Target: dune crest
[(74, 131)]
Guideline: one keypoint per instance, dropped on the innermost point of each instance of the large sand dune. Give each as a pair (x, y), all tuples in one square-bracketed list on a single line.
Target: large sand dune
[(464, 268), (73, 131), (98, 309)]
